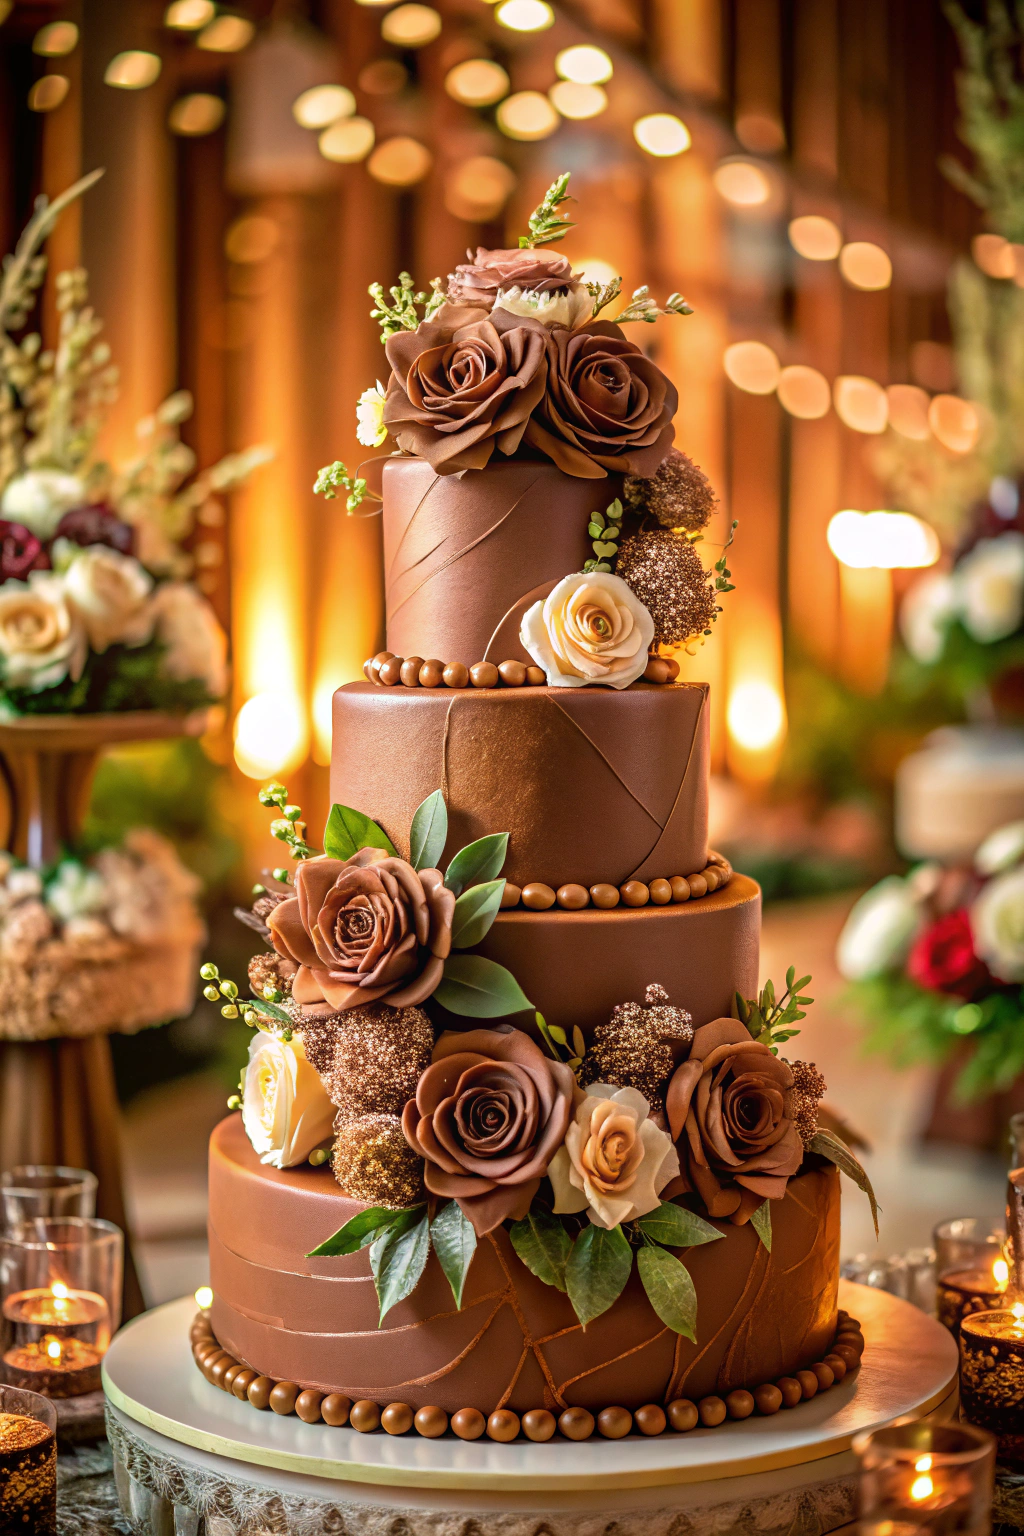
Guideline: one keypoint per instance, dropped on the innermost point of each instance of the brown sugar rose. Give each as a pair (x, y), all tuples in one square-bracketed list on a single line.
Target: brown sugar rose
[(537, 282), (460, 388), (362, 929), (489, 1113), (731, 1108)]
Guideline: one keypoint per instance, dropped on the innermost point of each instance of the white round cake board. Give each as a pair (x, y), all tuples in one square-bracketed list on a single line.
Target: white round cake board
[(910, 1368)]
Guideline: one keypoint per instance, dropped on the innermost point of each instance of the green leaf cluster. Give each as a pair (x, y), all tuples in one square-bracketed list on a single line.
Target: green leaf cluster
[(400, 1244), (289, 828), (604, 529), (402, 313), (122, 678), (990, 93), (768, 1017), (828, 1144), (558, 1044), (545, 223), (334, 477)]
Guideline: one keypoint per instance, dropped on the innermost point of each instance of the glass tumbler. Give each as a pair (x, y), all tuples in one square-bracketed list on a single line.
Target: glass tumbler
[(926, 1478), (40, 1189), (28, 1464)]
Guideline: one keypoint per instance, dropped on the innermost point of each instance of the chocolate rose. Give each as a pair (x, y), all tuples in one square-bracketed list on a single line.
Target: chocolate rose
[(489, 1114), (364, 928), (730, 1108), (479, 281), (459, 387), (20, 552), (607, 406)]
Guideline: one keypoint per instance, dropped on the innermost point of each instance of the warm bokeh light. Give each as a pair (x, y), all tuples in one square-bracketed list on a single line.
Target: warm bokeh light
[(860, 403), (908, 411), (189, 15), (955, 422), (270, 734), (882, 541), (804, 392), (576, 101), (322, 105), (48, 92), (662, 134), (527, 115), (994, 255), (204, 1298), (1000, 1274), (760, 132), (742, 183), (584, 64), (251, 238), (865, 266), (594, 269), (525, 15), (478, 189), (195, 115), (383, 77), (347, 141), (133, 71), (752, 366), (400, 162), (411, 26), (228, 34), (57, 40), (756, 715), (815, 237), (477, 82)]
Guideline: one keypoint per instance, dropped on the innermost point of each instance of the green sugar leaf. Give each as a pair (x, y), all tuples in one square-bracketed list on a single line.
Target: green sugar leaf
[(544, 1245), (355, 1234), (398, 1257), (597, 1270), (429, 832), (347, 831), (670, 1290), (826, 1144), (454, 1240), (677, 1227), (479, 988), (475, 911), (476, 862), (761, 1221)]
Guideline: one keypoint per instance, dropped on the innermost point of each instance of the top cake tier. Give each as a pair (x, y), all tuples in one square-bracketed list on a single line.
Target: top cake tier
[(465, 556)]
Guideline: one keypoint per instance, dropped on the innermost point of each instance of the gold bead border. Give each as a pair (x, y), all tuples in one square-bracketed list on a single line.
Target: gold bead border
[(390, 671), (222, 1370), (535, 896)]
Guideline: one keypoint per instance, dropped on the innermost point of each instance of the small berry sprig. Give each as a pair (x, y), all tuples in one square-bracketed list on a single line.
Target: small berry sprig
[(336, 476), (604, 529), (545, 222), (402, 313), (251, 1010), (288, 828), (642, 307)]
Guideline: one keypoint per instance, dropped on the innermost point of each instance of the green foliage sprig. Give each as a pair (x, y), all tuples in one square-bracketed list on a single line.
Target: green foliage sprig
[(603, 294), (402, 314), (768, 1017), (557, 1042), (991, 98), (253, 1010), (335, 477), (545, 223), (604, 529), (400, 1244), (288, 828), (642, 307), (723, 582)]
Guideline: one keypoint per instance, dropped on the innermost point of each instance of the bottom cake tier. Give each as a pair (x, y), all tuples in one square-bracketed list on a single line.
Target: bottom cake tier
[(515, 1343)]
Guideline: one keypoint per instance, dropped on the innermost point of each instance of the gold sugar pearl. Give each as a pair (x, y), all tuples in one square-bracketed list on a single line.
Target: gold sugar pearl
[(456, 675), (410, 671), (661, 892), (572, 897), (483, 674), (605, 896), (538, 896), (390, 671), (431, 673), (635, 893), (512, 673)]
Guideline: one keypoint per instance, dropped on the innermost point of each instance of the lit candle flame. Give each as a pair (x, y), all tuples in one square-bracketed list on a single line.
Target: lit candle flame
[(59, 1290), (204, 1298), (923, 1464), (1000, 1273), (53, 1349), (922, 1487), (1018, 1311)]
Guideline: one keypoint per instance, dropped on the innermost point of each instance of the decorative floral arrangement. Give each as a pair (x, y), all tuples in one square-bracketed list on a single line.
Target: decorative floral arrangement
[(511, 358), (633, 1144), (96, 611), (936, 961)]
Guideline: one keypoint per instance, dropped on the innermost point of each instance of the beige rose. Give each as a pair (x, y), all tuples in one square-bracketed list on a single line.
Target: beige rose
[(197, 647), (615, 1161), (591, 629), (42, 640), (285, 1108), (110, 593)]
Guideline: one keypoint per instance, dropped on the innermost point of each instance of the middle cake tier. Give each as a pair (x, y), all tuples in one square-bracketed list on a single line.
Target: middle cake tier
[(592, 785)]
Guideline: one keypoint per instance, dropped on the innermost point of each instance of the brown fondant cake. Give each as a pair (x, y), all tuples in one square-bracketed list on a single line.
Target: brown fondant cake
[(514, 1003)]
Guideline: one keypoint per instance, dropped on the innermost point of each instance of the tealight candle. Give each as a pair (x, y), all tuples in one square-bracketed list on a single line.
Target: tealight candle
[(992, 1376), (917, 1478), (961, 1292)]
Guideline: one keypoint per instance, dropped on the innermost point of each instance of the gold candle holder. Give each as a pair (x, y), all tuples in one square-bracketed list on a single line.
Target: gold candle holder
[(992, 1376), (28, 1464)]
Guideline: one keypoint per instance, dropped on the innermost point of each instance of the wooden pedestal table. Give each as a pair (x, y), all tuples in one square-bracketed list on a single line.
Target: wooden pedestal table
[(186, 1453), (57, 1098)]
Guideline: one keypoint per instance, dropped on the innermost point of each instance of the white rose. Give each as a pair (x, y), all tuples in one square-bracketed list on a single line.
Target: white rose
[(110, 593), (75, 891), (1001, 850), (370, 428), (591, 629), (615, 1160), (285, 1108), (926, 614), (38, 499), (880, 930), (562, 307), (197, 647), (997, 923), (42, 640), (990, 587)]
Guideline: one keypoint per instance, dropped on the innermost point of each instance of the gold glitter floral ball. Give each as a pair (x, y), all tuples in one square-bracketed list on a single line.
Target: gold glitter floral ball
[(370, 1058), (374, 1162), (665, 572), (679, 494), (635, 1048)]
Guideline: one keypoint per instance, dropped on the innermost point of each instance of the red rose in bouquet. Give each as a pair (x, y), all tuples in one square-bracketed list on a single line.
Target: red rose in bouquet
[(944, 957)]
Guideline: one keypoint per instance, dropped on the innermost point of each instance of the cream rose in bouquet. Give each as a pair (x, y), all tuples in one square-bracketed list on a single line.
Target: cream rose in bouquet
[(285, 1108), (591, 629)]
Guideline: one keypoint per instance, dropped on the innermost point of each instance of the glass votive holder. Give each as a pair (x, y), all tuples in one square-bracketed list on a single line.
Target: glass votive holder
[(60, 1302), (47, 1190), (934, 1478), (28, 1463), (992, 1376), (972, 1274)]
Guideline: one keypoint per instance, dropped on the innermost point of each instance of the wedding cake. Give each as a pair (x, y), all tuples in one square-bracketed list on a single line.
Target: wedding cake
[(518, 1152)]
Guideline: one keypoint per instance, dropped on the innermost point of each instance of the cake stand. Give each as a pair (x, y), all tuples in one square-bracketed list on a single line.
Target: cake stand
[(186, 1453), (58, 1102)]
